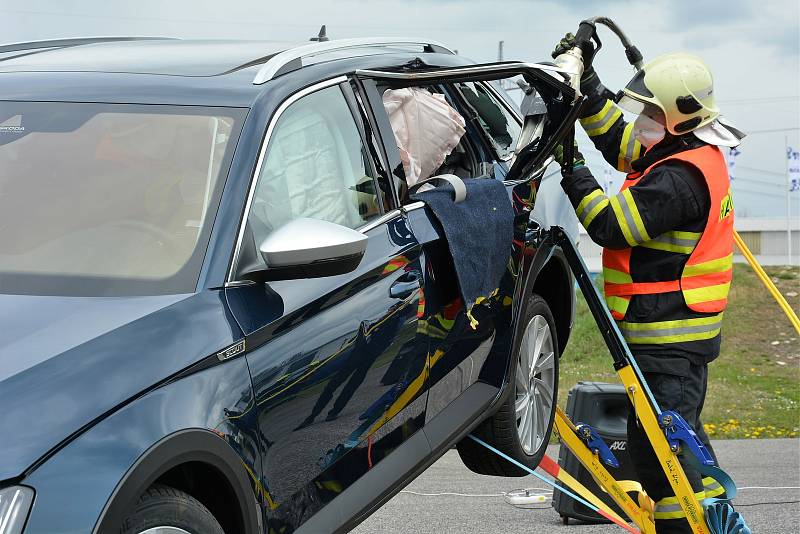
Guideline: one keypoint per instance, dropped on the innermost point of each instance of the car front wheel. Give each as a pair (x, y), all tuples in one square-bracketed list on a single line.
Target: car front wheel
[(521, 427), (166, 510)]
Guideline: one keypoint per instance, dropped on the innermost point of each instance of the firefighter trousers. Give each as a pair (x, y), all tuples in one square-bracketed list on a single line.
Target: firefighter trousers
[(678, 385)]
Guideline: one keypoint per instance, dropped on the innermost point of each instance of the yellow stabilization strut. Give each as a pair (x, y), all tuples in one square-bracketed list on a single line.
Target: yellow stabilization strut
[(615, 489), (666, 456), (767, 282)]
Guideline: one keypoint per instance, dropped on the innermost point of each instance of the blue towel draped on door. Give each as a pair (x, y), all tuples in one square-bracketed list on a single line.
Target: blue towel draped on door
[(479, 233)]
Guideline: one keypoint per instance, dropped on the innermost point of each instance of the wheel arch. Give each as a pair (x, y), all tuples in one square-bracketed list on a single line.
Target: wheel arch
[(547, 274), (189, 458), (555, 284), (549, 278)]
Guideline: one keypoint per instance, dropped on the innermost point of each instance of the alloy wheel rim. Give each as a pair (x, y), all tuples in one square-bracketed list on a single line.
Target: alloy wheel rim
[(165, 530), (535, 384)]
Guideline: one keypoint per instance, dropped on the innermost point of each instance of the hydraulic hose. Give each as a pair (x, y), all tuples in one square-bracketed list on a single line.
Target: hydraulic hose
[(765, 279), (611, 25), (631, 52)]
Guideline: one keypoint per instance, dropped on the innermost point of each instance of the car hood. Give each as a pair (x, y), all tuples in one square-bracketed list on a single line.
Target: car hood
[(67, 361)]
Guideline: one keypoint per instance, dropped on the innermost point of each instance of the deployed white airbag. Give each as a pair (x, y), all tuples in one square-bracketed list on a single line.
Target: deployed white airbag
[(425, 127)]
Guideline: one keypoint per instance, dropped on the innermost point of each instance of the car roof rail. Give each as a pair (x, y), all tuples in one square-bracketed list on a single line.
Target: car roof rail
[(63, 43), (292, 59)]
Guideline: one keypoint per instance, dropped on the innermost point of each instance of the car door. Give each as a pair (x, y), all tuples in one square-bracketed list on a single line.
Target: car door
[(337, 364), (460, 355)]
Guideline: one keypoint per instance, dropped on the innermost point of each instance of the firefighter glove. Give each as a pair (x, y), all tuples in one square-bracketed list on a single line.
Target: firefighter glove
[(577, 158), (587, 49)]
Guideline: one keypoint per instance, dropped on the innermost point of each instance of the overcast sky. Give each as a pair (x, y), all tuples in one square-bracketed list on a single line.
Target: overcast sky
[(752, 47)]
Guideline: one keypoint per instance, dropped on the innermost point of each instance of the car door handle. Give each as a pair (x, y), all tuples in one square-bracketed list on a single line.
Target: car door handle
[(404, 286)]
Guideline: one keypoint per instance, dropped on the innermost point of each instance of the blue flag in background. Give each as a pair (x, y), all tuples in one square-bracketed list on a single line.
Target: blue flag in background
[(732, 153), (793, 168)]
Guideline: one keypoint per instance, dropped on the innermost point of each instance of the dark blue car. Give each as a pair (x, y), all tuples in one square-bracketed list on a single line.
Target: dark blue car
[(219, 309)]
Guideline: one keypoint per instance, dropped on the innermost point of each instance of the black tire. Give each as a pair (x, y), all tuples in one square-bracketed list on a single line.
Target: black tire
[(500, 430), (164, 506)]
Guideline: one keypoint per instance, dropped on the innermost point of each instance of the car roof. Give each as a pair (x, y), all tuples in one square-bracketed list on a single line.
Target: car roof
[(169, 57), (194, 72)]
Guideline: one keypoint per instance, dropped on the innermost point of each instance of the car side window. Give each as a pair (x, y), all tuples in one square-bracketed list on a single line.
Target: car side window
[(315, 166), (500, 125)]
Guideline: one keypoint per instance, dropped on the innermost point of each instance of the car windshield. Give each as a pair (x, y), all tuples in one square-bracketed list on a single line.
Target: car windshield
[(109, 199)]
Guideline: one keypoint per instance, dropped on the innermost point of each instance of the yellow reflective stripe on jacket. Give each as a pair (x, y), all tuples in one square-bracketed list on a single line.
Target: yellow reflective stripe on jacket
[(709, 267), (677, 331), (613, 276), (680, 234), (629, 219), (590, 206), (675, 241), (581, 207), (615, 205), (587, 220), (706, 294), (670, 508), (618, 304), (629, 148), (637, 218), (601, 122), (591, 119)]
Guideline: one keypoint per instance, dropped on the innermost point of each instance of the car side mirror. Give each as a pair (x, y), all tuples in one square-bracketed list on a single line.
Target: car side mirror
[(311, 248)]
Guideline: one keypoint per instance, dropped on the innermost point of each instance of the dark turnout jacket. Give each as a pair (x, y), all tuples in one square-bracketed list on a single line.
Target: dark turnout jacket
[(671, 199)]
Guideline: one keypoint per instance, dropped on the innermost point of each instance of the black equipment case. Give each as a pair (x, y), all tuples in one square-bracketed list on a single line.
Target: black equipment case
[(605, 408)]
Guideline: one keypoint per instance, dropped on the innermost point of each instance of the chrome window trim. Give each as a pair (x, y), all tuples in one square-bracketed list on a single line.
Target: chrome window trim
[(413, 206), (383, 219), (262, 152), (239, 283), (271, 68)]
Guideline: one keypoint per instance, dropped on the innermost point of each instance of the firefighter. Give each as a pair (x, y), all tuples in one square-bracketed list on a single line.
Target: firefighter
[(667, 241)]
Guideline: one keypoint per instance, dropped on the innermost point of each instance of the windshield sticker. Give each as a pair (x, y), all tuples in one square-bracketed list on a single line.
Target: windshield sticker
[(14, 124)]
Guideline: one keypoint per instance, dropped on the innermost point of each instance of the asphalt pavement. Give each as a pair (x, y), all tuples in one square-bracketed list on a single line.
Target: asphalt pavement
[(428, 504)]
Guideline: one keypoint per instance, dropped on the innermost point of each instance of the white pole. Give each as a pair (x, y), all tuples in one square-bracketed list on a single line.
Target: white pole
[(788, 200), (499, 59)]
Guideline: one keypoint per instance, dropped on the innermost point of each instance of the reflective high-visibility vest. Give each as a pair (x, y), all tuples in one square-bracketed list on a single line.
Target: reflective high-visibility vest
[(706, 276)]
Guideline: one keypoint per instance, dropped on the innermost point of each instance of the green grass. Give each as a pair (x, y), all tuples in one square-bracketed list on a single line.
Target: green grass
[(754, 386)]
